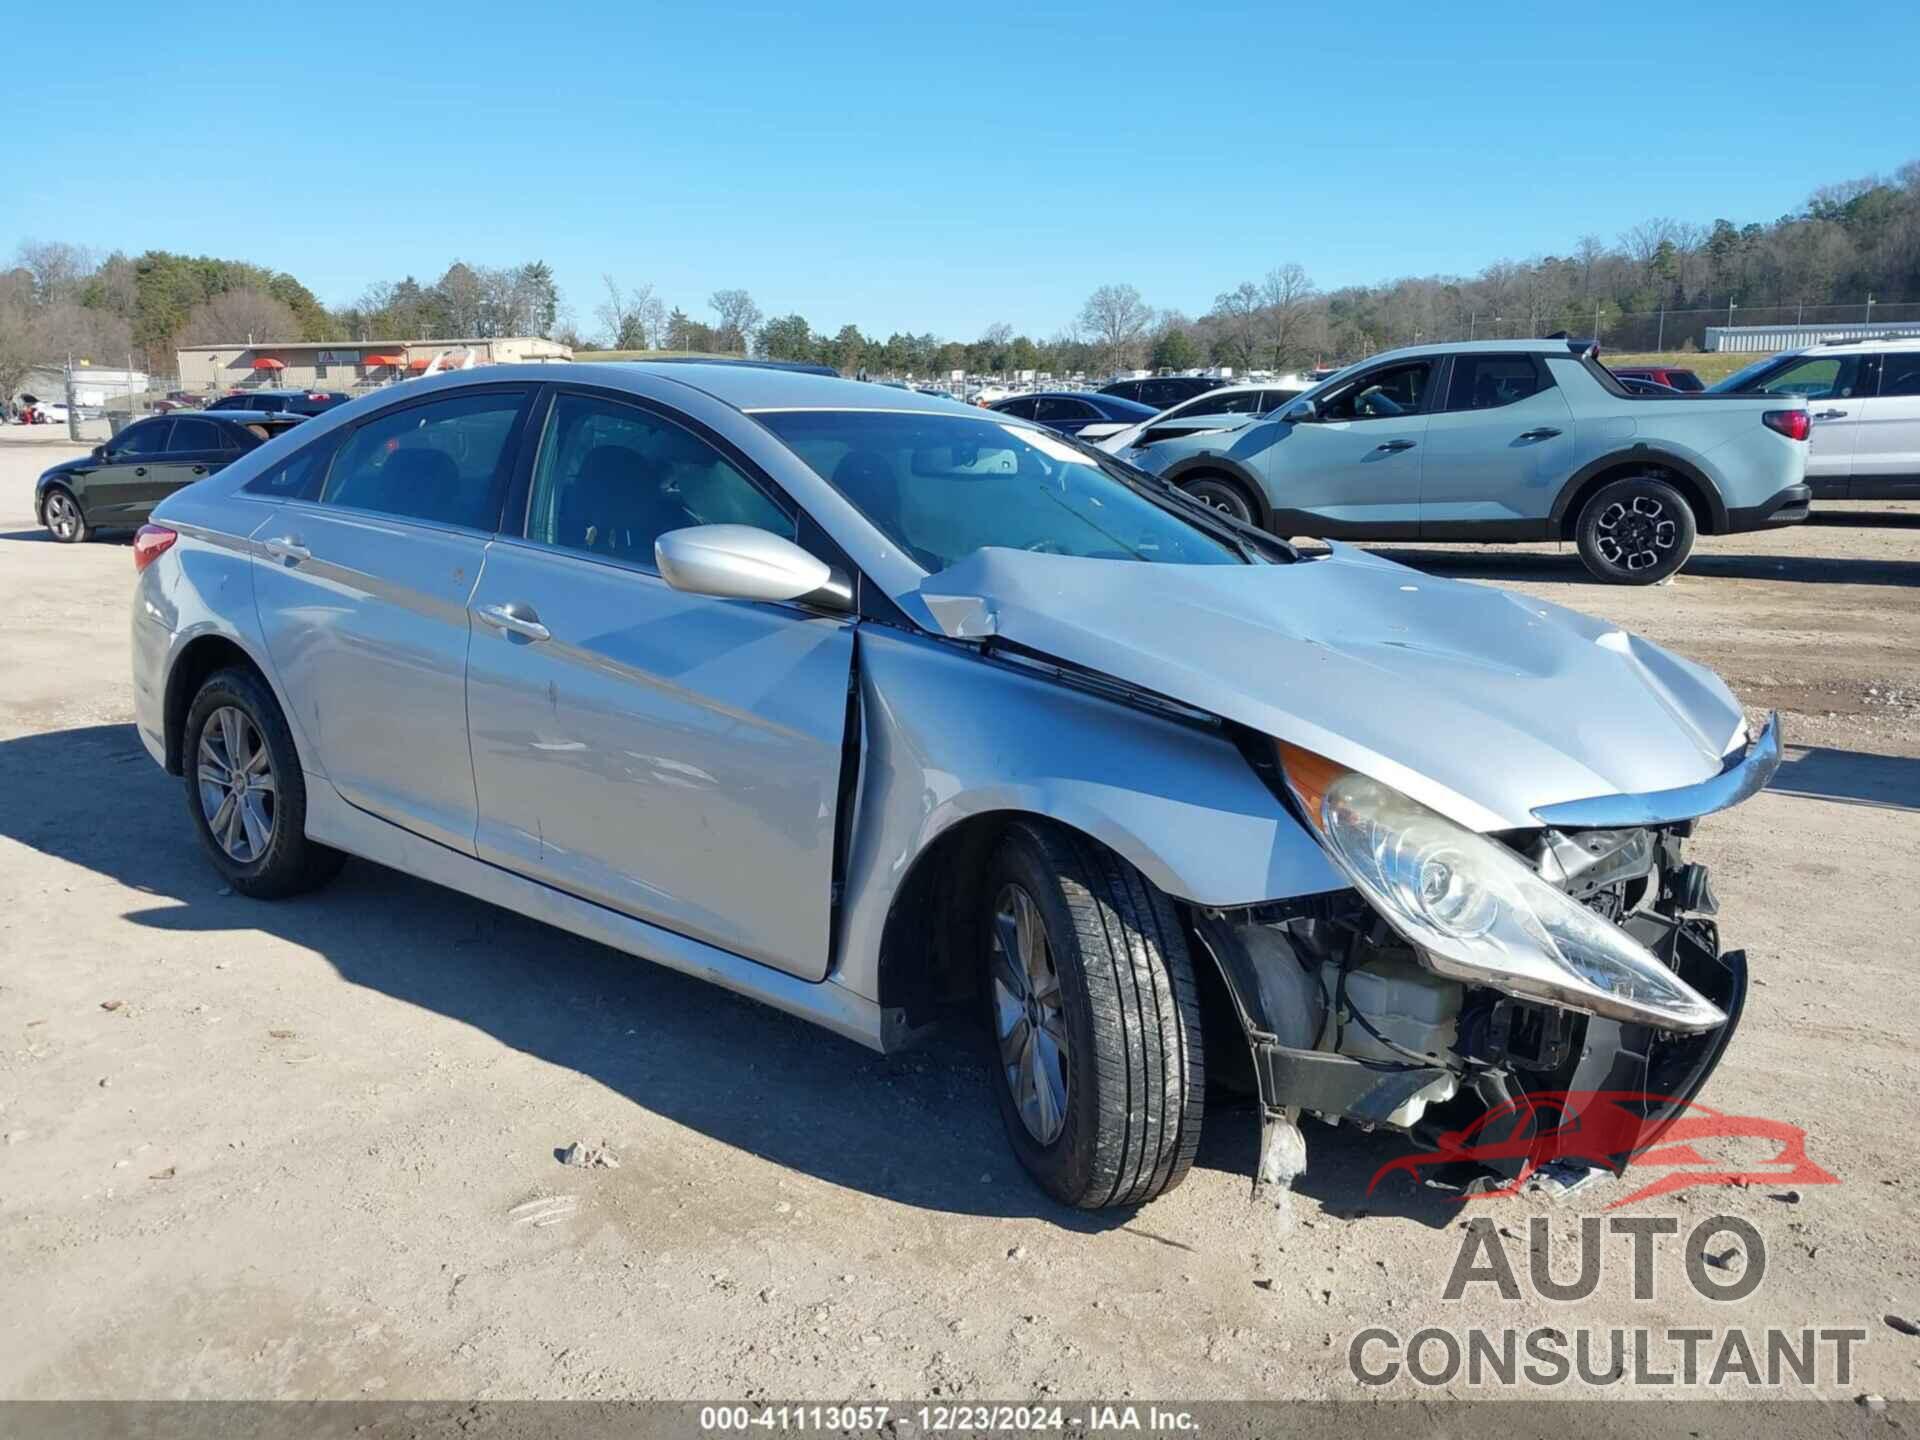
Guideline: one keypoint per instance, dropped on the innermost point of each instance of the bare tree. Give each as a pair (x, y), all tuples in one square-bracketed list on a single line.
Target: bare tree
[(1644, 241), (739, 319), (1115, 318), (1286, 303), (634, 319), (57, 268), (239, 315)]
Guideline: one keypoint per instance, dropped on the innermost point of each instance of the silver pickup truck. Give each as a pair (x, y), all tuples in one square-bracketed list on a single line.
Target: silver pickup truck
[(1504, 440)]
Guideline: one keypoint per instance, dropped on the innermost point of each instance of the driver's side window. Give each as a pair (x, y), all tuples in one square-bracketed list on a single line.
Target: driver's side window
[(1387, 393)]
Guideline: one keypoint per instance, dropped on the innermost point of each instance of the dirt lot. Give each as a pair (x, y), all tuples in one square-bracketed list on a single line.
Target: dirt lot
[(308, 1149)]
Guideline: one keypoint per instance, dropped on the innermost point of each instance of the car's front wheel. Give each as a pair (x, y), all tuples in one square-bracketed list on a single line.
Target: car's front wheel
[(1635, 531), (1222, 494), (246, 792), (64, 518), (1100, 1069)]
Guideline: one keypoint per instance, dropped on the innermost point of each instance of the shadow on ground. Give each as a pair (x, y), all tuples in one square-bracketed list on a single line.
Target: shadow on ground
[(1853, 777), (920, 1128)]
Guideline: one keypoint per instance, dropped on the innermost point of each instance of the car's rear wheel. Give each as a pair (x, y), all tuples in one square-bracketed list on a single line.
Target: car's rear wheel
[(246, 792), (63, 516), (1635, 531), (1099, 1065), (1224, 495)]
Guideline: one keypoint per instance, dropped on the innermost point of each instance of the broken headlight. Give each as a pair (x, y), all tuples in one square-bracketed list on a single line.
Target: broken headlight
[(1476, 912)]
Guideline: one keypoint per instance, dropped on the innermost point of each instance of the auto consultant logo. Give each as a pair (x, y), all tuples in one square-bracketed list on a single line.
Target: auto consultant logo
[(1725, 1261), (1669, 1144)]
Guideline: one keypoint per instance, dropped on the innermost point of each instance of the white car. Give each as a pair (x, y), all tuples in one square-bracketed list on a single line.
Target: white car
[(1863, 397), (1219, 409), (44, 412)]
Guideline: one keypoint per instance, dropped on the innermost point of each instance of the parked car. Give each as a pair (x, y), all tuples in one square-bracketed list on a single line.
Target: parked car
[(1671, 376), (1864, 400), (1158, 392), (1505, 440), (119, 483), (43, 412), (1636, 385), (1226, 407), (857, 702), (276, 402), (1072, 412)]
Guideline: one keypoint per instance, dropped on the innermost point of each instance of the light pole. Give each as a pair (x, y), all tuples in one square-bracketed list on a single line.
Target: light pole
[(1473, 321)]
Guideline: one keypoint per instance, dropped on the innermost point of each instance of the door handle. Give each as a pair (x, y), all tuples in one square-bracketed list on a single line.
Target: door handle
[(1829, 414), (1391, 445), (519, 619), (285, 548), (139, 469), (1545, 432), (199, 469)]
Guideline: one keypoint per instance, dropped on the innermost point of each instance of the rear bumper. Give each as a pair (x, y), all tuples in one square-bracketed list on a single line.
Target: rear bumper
[(1786, 507)]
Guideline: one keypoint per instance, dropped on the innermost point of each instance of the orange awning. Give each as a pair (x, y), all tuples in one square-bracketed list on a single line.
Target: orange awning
[(384, 360), (266, 363), (419, 362)]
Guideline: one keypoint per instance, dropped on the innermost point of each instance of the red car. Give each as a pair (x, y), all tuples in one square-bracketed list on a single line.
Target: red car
[(1610, 1129), (1672, 376)]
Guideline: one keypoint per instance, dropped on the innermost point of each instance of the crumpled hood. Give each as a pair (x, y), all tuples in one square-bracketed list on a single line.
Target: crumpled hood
[(1477, 702)]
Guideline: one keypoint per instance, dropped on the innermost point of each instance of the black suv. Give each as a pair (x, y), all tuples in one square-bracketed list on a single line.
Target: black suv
[(117, 486), (1162, 391), (278, 402)]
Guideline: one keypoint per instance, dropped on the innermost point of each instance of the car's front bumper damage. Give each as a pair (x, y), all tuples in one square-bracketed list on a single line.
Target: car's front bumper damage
[(1345, 1024)]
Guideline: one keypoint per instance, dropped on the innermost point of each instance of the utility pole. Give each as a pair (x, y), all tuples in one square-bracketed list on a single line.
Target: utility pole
[(1661, 342), (1473, 320), (1869, 307)]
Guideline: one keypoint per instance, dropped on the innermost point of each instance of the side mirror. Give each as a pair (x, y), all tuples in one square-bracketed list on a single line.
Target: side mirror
[(99, 452), (739, 562), (1301, 412)]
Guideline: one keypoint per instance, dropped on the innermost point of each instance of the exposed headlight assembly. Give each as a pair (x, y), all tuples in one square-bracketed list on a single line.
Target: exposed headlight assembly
[(1479, 914)]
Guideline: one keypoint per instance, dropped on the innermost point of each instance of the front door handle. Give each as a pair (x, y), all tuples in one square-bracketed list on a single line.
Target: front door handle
[(1395, 445), (521, 620), (199, 469), (1829, 414), (139, 469), (1545, 432), (285, 549)]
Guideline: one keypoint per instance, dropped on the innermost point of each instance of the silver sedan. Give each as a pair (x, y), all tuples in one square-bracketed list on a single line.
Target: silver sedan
[(869, 705)]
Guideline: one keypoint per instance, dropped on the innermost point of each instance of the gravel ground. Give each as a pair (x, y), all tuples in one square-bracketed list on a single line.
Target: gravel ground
[(310, 1149)]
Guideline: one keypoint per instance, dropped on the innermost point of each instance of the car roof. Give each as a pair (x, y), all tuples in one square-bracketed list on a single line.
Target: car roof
[(746, 387), (1888, 342), (237, 416)]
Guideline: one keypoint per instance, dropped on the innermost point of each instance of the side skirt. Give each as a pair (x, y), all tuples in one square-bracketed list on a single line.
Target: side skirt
[(332, 821)]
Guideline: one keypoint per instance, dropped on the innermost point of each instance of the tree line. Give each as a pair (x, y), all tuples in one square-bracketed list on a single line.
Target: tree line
[(1849, 240)]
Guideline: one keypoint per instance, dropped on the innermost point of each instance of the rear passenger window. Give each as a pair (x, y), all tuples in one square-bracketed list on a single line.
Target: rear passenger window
[(612, 478), (298, 477), (1486, 382), (444, 462), (1900, 374), (195, 435)]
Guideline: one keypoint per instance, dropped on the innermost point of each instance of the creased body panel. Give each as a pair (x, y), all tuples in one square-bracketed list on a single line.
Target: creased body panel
[(1478, 703), (950, 735)]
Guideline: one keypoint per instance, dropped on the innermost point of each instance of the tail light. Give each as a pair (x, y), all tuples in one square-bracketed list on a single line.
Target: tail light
[(1794, 424), (150, 542)]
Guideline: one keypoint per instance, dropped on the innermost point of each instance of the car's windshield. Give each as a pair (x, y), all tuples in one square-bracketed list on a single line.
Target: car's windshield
[(944, 486)]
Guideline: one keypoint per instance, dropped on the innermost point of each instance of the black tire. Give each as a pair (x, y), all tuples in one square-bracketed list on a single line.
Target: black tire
[(60, 512), (1635, 531), (1134, 1070), (281, 861), (1223, 494)]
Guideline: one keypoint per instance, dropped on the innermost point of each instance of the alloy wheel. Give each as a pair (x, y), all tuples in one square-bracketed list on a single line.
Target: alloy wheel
[(234, 774), (1030, 1025), (63, 516), (1636, 534)]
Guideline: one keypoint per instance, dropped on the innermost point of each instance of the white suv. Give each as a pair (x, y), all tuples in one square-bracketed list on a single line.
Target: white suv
[(1864, 399)]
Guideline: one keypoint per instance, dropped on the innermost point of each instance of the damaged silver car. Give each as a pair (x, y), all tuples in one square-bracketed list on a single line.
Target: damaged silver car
[(871, 706)]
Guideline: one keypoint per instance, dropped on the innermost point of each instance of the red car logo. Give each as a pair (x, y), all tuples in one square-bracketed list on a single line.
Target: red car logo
[(1611, 1129)]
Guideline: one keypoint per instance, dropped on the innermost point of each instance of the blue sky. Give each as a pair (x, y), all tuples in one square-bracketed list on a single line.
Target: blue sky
[(935, 168)]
